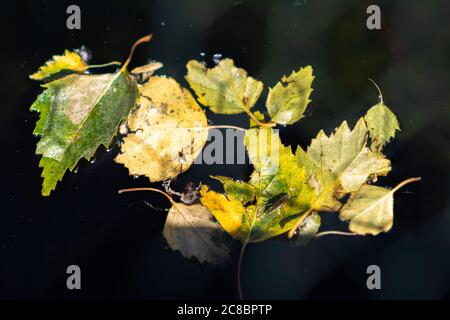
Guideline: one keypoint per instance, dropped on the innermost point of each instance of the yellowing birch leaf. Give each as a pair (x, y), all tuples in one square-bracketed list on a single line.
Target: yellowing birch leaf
[(272, 201), (167, 131), (242, 191), (370, 210), (225, 88), (69, 61), (340, 163), (382, 124), (190, 229), (287, 101), (230, 212), (78, 113)]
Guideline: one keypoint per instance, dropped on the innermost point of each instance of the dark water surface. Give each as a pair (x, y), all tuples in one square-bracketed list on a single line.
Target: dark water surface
[(117, 240)]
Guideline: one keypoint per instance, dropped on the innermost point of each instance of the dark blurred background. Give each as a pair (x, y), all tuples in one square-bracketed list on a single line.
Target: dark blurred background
[(117, 239)]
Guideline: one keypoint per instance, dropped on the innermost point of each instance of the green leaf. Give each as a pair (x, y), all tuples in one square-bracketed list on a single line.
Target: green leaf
[(190, 229), (167, 131), (68, 62), (340, 163), (242, 191), (225, 88), (287, 101), (78, 113), (382, 124), (273, 200)]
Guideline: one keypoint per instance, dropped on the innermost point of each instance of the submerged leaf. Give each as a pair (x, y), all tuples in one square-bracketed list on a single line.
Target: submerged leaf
[(69, 61), (190, 229), (225, 88), (78, 113), (287, 101), (308, 229), (167, 131), (382, 124)]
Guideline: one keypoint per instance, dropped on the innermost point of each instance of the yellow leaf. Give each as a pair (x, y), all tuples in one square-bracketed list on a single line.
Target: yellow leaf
[(371, 209), (341, 163), (167, 131), (230, 213), (69, 61)]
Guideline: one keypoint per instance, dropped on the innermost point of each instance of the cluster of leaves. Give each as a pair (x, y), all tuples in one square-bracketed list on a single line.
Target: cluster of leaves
[(164, 129)]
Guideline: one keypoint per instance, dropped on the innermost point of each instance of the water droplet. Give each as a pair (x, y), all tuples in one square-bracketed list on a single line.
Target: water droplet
[(298, 3), (217, 57), (92, 161)]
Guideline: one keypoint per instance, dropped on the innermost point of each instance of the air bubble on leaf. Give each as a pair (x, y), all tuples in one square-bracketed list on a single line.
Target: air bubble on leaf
[(163, 23), (84, 53), (202, 54), (217, 57)]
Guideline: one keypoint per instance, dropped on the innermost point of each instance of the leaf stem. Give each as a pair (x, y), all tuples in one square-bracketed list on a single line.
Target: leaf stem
[(112, 63), (259, 123), (405, 182), (241, 257), (379, 90), (341, 233), (225, 127), (298, 223), (138, 42), (148, 189)]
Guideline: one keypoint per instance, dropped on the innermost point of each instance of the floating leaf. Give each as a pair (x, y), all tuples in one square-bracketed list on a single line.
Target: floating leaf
[(242, 191), (382, 124), (371, 209), (230, 212), (287, 101), (225, 88), (271, 202), (167, 131), (340, 163), (190, 229), (68, 62), (78, 114)]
